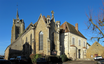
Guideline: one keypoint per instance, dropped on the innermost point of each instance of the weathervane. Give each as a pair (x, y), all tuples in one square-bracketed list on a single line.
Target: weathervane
[(17, 5)]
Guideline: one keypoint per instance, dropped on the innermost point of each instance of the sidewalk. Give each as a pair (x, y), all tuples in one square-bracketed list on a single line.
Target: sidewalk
[(79, 62)]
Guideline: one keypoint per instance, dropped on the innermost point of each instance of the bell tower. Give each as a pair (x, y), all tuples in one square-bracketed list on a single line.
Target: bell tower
[(17, 28)]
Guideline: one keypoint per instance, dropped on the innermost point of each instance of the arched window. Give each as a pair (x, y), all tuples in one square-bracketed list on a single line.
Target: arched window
[(30, 45), (41, 41), (31, 39)]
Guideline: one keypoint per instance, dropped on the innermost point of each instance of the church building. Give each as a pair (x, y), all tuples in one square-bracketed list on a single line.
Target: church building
[(46, 37)]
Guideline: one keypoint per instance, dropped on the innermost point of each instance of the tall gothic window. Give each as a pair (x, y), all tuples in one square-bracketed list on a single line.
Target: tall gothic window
[(73, 41), (41, 41), (31, 39), (30, 46)]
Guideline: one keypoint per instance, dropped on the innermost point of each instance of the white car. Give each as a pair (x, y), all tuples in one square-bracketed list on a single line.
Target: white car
[(98, 57)]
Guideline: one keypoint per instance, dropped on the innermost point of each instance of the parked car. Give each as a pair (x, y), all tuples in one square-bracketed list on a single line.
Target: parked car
[(98, 58), (41, 61), (1, 58), (101, 62), (22, 59), (2, 61), (12, 60)]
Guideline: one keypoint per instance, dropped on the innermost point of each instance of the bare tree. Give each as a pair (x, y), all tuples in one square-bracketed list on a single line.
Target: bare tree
[(96, 23)]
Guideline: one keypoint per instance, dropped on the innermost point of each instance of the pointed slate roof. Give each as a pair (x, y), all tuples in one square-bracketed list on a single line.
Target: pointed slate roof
[(17, 16)]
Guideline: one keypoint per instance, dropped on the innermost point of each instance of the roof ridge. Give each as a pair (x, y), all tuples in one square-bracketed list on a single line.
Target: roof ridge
[(74, 31), (70, 24)]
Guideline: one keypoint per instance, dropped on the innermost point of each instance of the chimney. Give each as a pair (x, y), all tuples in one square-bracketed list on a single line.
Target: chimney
[(76, 26)]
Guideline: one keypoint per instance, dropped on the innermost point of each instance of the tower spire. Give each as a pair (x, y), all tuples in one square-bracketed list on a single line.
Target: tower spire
[(17, 16)]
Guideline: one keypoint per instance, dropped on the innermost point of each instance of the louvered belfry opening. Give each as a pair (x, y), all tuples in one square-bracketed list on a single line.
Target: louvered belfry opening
[(17, 31), (41, 40)]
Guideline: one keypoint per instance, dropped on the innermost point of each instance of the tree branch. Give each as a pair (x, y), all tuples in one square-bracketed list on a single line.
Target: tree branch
[(97, 27)]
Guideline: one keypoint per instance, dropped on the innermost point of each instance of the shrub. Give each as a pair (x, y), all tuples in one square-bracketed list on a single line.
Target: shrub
[(34, 57), (54, 58), (63, 57)]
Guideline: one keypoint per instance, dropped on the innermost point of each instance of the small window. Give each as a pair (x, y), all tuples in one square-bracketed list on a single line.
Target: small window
[(79, 42), (84, 44), (73, 41)]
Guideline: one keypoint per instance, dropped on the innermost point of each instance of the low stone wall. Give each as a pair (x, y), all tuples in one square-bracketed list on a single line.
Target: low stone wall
[(86, 59)]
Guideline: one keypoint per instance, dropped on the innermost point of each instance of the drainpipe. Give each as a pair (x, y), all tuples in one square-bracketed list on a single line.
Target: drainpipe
[(68, 44)]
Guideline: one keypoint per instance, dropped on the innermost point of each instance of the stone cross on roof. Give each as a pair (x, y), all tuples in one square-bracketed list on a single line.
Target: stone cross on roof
[(52, 12)]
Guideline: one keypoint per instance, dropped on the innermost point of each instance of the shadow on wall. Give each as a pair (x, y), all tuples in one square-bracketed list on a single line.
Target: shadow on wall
[(26, 51), (64, 41), (62, 46)]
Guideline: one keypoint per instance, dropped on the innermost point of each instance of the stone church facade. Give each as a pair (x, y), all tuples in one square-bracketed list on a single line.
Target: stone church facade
[(45, 37)]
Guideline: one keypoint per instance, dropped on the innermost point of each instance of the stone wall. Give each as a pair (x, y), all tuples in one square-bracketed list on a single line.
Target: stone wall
[(6, 53), (23, 44), (27, 41), (95, 49), (16, 48), (42, 26), (66, 41)]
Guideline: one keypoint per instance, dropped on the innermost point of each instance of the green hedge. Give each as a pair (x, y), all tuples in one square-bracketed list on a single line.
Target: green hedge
[(52, 58), (63, 57), (34, 57)]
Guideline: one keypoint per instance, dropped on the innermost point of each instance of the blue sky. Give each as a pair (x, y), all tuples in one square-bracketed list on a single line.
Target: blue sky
[(72, 11)]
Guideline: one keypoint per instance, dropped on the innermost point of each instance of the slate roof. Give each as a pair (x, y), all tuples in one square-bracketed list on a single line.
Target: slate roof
[(88, 44), (72, 29)]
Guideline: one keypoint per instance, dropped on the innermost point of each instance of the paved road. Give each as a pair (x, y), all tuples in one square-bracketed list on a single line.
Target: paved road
[(72, 62), (80, 62)]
